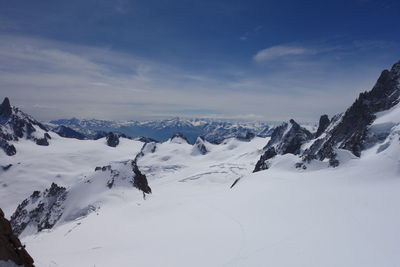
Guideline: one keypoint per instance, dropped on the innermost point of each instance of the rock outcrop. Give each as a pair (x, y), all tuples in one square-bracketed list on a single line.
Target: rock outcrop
[(286, 138), (140, 180), (15, 124), (348, 131), (112, 139), (11, 249), (41, 210), (322, 125), (57, 205)]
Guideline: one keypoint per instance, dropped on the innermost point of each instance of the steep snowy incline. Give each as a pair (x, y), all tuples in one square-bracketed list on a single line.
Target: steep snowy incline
[(65, 161)]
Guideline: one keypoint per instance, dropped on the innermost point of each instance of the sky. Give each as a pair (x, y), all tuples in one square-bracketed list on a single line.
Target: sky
[(242, 60)]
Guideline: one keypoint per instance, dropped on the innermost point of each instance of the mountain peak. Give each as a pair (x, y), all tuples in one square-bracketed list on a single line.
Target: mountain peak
[(5, 108), (396, 67)]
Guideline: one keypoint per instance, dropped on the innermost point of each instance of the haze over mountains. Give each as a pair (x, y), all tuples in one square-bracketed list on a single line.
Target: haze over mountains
[(241, 195), (212, 130)]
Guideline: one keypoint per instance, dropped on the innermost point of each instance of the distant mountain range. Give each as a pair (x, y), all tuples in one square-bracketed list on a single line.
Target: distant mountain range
[(160, 130)]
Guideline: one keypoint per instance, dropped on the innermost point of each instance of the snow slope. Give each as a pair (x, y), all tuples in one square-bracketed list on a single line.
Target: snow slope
[(65, 161), (344, 216)]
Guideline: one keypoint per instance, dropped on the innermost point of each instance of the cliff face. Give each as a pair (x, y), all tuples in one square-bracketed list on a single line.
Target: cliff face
[(347, 131), (11, 248)]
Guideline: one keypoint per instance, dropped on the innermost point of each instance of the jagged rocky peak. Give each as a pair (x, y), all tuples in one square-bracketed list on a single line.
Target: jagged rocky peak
[(5, 108), (40, 211), (292, 139), (199, 147), (11, 248), (15, 124), (349, 131), (322, 125), (179, 138), (112, 139), (286, 138), (57, 205)]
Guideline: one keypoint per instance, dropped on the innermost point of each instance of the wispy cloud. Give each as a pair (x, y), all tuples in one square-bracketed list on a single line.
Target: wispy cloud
[(280, 51), (251, 33), (54, 79)]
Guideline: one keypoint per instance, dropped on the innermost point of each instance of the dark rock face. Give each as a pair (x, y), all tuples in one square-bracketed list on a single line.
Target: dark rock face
[(112, 139), (43, 141), (350, 131), (247, 137), (140, 180), (347, 131), (323, 124), (262, 163), (285, 139), (67, 132), (15, 124), (8, 148), (5, 108), (11, 248), (41, 210)]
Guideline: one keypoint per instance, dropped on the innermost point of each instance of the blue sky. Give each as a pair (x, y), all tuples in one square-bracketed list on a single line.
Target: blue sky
[(256, 60)]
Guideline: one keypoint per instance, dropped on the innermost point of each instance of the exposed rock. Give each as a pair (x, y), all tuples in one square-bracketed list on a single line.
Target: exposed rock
[(199, 147), (247, 137), (323, 124), (41, 210), (15, 124), (43, 141), (8, 148), (350, 131), (140, 180), (11, 248), (112, 139), (286, 138), (5, 108), (262, 163)]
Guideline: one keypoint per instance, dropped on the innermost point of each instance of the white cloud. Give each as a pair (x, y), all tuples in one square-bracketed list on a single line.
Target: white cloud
[(54, 80), (279, 51)]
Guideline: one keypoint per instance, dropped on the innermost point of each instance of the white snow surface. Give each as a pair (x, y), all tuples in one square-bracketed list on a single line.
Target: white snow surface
[(65, 161), (344, 216)]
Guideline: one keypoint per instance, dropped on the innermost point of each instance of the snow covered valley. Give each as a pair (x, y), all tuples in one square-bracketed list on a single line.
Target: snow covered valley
[(344, 216), (295, 198)]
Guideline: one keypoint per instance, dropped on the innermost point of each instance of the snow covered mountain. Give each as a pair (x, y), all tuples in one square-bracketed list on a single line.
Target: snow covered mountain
[(161, 130), (355, 130), (88, 202), (15, 125)]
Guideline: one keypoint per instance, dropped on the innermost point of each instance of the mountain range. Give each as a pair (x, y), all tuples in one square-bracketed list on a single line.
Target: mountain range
[(212, 130), (207, 193)]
